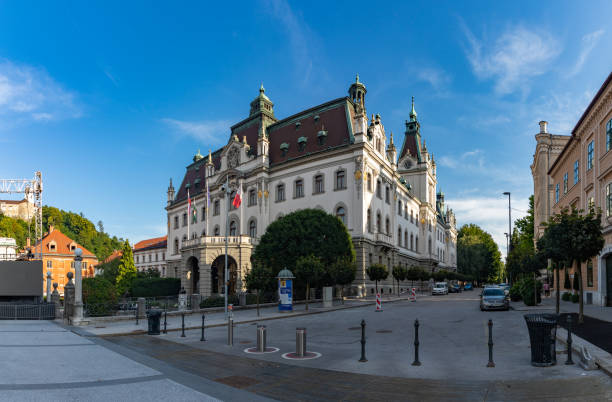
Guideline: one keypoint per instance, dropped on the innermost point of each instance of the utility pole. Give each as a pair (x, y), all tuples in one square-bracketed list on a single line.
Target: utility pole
[(509, 226)]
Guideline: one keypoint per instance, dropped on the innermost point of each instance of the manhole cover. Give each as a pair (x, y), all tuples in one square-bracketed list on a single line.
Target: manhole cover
[(245, 342), (237, 381), (354, 328), (384, 331)]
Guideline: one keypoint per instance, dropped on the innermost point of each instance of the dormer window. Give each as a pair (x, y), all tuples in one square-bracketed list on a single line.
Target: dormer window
[(316, 117), (197, 183), (284, 147), (322, 135), (302, 143), (297, 125), (187, 185)]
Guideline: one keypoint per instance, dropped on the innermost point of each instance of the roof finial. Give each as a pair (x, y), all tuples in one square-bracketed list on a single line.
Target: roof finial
[(413, 113), (357, 78), (261, 88), (391, 140), (209, 156)]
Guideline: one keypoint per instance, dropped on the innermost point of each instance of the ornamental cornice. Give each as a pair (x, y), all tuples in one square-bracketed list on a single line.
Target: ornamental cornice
[(596, 114)]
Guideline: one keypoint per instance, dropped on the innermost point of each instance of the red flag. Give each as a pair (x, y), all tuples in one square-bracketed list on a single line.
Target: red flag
[(237, 198)]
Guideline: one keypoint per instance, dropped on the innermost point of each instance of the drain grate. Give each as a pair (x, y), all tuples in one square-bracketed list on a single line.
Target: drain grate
[(384, 331)]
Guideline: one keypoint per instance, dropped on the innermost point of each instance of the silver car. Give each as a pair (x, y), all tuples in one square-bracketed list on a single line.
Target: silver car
[(494, 299), (440, 288)]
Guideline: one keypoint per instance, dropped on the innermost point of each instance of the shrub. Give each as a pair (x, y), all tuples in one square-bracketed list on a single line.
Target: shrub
[(526, 286), (565, 296), (575, 298), (99, 296), (515, 292), (154, 287), (218, 301)]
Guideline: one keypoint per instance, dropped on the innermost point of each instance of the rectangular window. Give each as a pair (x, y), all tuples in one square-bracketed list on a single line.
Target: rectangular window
[(340, 180), (608, 135), (369, 179), (387, 194), (176, 222), (590, 155), (609, 200), (557, 193), (49, 264), (576, 172), (299, 188), (318, 187), (203, 213), (378, 190), (280, 193), (565, 183), (184, 219), (216, 208), (590, 274), (252, 198)]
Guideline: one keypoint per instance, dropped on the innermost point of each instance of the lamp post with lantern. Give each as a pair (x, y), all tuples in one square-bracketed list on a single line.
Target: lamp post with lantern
[(78, 287)]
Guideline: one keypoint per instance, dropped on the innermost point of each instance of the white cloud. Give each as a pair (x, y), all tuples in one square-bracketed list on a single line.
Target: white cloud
[(470, 159), (490, 213), (28, 93), (436, 77), (212, 132), (516, 56), (589, 41)]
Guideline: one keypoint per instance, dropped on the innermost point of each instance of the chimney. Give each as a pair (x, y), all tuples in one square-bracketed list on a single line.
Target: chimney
[(50, 228), (543, 127)]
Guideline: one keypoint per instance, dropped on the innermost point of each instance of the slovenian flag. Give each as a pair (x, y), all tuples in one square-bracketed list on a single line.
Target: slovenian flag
[(237, 198)]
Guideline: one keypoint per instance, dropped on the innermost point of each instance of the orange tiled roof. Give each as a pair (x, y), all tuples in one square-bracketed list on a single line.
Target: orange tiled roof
[(116, 254), (62, 244), (149, 242)]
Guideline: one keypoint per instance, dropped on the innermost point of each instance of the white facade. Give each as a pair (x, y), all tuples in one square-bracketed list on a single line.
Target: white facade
[(152, 257), (8, 249), (390, 206)]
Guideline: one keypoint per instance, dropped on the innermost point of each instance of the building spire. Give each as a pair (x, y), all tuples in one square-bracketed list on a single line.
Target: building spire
[(209, 157), (413, 113)]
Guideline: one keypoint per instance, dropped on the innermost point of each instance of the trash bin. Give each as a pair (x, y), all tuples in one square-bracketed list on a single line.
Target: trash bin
[(153, 316), (542, 335)]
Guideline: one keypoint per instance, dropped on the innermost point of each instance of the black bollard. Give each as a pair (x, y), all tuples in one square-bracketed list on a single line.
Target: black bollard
[(202, 337), (569, 340), (183, 325), (363, 342), (136, 315), (416, 361), (490, 363), (165, 321)]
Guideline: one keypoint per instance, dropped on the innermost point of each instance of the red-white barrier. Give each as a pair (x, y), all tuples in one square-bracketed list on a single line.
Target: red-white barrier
[(413, 295), (378, 302)]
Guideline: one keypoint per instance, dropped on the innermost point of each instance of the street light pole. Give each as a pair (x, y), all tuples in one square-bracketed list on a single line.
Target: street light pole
[(509, 226), (227, 195)]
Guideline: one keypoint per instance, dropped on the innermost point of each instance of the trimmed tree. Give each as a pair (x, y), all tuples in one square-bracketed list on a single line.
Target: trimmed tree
[(399, 274), (126, 271), (342, 273), (377, 272), (309, 270), (259, 278)]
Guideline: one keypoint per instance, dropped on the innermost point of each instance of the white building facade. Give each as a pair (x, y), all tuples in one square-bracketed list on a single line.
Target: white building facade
[(330, 157), (151, 254)]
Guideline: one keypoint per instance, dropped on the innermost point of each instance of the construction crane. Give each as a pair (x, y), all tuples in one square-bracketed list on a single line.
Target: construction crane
[(32, 189)]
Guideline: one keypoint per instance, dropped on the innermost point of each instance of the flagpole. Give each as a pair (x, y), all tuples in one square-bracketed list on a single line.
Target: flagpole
[(188, 213), (227, 195)]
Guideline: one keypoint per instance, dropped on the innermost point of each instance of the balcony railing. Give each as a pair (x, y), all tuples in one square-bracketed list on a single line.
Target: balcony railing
[(383, 238), (219, 240)]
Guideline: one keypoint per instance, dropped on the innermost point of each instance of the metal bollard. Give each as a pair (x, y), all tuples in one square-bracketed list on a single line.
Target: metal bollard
[(165, 321), (363, 342), (183, 325), (230, 332), (261, 338), (416, 361), (136, 315), (202, 337), (569, 340), (300, 342), (490, 363)]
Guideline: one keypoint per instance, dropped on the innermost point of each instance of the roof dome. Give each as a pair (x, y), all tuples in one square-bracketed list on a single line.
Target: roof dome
[(198, 156), (285, 274)]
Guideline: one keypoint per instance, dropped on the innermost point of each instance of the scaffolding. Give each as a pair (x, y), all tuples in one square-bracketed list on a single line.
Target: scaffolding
[(32, 190)]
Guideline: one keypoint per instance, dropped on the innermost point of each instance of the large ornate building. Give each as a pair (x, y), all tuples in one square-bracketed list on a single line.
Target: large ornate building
[(332, 157)]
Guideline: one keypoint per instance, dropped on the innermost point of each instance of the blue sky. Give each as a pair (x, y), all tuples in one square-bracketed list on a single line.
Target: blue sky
[(111, 99)]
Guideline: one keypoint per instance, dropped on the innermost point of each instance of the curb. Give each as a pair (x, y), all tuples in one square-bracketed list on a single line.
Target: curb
[(602, 359), (143, 332)]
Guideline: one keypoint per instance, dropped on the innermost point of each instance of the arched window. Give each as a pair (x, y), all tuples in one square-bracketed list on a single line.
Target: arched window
[(411, 241), (217, 230), (369, 179), (232, 228), (387, 227), (185, 219), (416, 244), (399, 236), (378, 223), (253, 228), (318, 184), (399, 207), (204, 233), (340, 180), (378, 189), (369, 221), (176, 245), (405, 239), (341, 214), (429, 245), (184, 239)]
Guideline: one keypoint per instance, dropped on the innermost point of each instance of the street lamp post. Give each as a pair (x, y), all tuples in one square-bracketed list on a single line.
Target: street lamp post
[(509, 226), (225, 276), (78, 287)]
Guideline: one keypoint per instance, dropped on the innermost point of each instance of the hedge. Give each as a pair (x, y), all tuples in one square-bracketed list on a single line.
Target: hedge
[(218, 301), (565, 296), (98, 290), (154, 287)]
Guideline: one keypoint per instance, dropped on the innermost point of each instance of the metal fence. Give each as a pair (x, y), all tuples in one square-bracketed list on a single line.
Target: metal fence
[(122, 308), (12, 311)]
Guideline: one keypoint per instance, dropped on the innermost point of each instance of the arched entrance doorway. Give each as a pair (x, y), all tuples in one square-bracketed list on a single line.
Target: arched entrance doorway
[(193, 270), (217, 270)]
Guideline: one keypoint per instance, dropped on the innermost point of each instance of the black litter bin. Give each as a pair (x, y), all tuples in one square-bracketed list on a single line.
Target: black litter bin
[(154, 316), (542, 335)]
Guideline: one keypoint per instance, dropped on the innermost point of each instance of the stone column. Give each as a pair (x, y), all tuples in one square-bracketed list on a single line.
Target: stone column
[(141, 307), (55, 296), (69, 297), (48, 286), (78, 287)]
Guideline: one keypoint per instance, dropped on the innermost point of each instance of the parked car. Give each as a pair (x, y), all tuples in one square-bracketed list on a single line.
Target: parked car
[(455, 288), (494, 298), (440, 288), (468, 286)]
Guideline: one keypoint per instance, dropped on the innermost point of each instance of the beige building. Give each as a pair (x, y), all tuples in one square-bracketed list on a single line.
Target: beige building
[(581, 176), (22, 209)]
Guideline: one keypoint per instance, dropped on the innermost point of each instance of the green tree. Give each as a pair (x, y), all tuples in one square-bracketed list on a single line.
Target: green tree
[(309, 270), (109, 270), (575, 284), (399, 274), (478, 254), (17, 229), (343, 272), (260, 278), (566, 281), (377, 272), (300, 234), (126, 272)]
